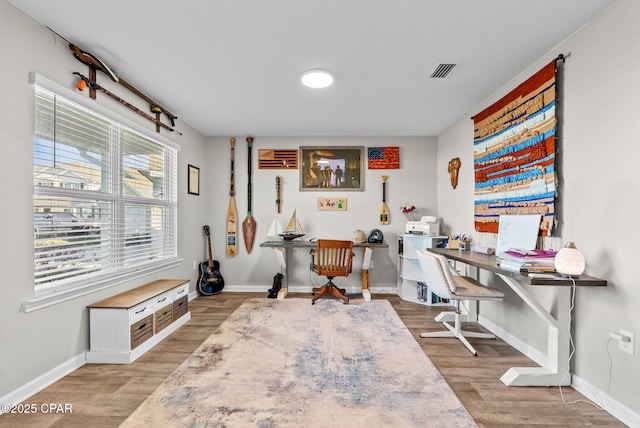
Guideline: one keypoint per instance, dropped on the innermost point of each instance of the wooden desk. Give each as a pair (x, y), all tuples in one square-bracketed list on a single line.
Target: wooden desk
[(281, 248), (558, 339)]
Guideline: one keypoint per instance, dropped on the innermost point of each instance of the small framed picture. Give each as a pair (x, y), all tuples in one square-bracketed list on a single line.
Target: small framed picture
[(193, 181), (332, 204)]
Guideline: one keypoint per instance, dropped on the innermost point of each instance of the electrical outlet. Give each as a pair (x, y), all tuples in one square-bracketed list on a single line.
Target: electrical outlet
[(627, 346), (195, 265)]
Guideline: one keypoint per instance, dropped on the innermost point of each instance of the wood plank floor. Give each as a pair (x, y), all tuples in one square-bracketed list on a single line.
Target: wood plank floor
[(103, 395)]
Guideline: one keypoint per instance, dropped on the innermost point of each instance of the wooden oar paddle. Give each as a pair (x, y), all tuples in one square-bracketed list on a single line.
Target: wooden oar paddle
[(249, 224), (384, 212), (232, 216)]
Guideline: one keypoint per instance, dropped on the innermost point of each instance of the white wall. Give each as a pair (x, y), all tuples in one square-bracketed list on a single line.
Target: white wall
[(32, 344), (415, 182), (598, 194)]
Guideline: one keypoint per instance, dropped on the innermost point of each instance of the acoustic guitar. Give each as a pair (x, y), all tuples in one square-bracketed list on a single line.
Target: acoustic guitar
[(210, 281)]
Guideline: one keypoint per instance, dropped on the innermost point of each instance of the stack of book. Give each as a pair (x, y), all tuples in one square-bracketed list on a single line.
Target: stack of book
[(518, 260), (424, 295)]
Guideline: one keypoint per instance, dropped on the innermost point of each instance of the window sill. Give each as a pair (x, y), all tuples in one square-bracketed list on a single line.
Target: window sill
[(53, 297)]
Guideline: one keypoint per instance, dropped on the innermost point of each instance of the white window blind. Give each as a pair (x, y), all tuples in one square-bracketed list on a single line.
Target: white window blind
[(105, 196)]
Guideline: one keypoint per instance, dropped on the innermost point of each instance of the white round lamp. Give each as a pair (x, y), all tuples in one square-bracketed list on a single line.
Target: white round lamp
[(569, 261)]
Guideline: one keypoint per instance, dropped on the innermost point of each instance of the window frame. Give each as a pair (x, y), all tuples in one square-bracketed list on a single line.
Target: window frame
[(56, 293)]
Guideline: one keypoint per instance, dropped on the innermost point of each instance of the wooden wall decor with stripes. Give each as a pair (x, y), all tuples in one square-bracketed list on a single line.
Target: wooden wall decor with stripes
[(514, 154), (277, 159)]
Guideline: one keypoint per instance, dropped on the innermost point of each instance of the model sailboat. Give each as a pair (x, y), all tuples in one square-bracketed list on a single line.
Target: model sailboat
[(274, 230), (293, 228)]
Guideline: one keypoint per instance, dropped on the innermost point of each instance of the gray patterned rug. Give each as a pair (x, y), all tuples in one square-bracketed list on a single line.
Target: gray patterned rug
[(286, 363)]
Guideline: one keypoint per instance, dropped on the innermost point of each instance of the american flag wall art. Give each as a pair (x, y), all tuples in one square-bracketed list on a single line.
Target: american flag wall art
[(277, 159), (383, 157)]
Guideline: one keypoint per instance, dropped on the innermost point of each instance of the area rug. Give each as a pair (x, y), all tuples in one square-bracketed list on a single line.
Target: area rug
[(287, 363)]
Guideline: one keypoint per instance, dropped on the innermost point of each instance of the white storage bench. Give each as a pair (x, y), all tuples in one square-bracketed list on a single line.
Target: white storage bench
[(127, 325)]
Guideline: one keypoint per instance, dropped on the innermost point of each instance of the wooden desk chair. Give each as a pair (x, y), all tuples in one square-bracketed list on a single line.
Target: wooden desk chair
[(440, 278), (331, 258)]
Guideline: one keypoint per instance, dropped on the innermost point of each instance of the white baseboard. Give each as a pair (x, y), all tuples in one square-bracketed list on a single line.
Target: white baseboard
[(304, 289), (249, 288), (41, 382), (615, 408), (384, 290)]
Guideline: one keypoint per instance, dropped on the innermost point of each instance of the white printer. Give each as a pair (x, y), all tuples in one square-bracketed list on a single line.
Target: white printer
[(428, 225)]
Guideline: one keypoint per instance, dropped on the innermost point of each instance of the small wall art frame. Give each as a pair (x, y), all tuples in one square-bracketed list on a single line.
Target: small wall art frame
[(331, 168), (193, 180)]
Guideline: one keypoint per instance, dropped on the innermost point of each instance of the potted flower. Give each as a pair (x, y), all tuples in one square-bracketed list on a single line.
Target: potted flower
[(408, 210)]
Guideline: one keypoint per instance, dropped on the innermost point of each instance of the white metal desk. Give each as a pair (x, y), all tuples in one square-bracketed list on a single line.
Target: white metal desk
[(558, 340), (281, 247)]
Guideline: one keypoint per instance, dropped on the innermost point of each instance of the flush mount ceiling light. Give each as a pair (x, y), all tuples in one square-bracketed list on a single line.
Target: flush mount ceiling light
[(317, 78)]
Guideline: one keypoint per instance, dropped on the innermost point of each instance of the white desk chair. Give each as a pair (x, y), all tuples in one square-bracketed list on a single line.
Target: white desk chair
[(442, 281)]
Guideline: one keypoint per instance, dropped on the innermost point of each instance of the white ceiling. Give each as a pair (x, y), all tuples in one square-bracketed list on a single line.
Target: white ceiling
[(233, 67)]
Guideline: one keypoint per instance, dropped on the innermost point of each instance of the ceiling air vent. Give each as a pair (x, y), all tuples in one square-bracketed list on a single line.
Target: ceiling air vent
[(442, 71)]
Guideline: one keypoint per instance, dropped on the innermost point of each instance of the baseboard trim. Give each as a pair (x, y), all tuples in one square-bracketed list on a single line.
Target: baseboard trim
[(599, 397), (249, 288), (41, 382), (302, 289), (613, 407)]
